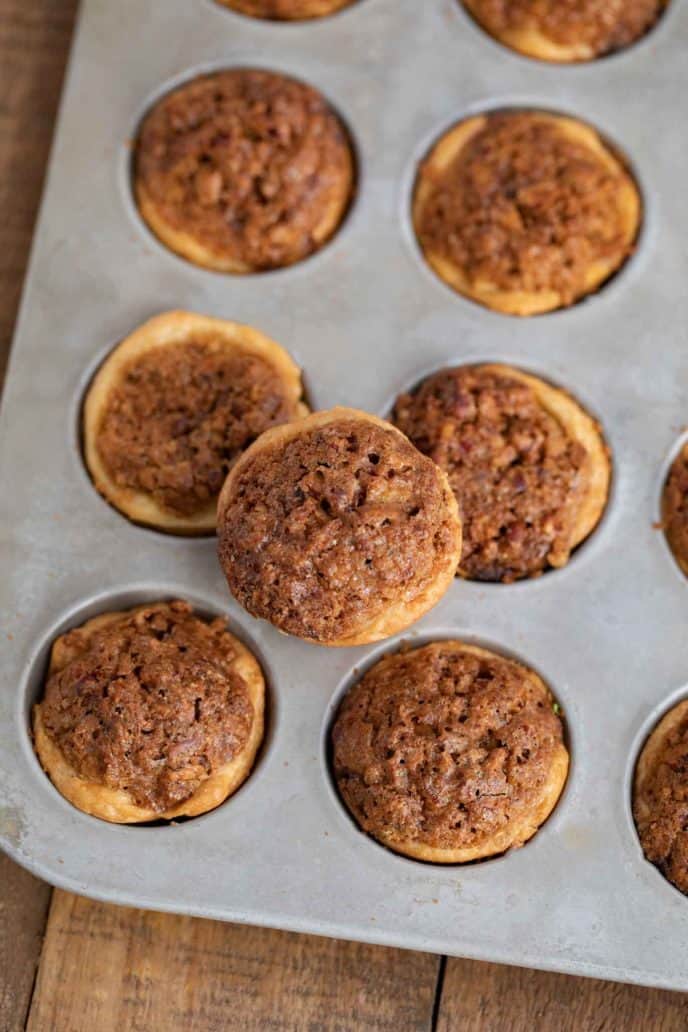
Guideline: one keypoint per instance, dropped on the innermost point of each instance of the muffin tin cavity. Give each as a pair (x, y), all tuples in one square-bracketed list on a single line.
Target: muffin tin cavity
[(171, 409), (243, 170), (399, 786), (80, 791), (656, 792), (525, 211), (521, 439), (607, 31)]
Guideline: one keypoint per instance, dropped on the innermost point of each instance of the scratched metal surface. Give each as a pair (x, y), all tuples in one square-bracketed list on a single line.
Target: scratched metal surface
[(364, 318)]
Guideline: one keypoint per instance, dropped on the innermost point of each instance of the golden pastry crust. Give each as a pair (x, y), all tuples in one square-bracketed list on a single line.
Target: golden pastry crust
[(530, 38), (529, 806), (243, 170), (287, 10), (118, 805), (660, 796), (173, 329), (439, 170), (385, 617)]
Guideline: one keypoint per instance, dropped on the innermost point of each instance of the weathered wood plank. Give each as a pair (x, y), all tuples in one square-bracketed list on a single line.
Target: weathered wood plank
[(489, 997), (111, 968), (23, 910), (34, 42)]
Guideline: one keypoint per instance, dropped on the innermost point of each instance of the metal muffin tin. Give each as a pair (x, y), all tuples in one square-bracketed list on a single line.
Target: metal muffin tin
[(365, 318)]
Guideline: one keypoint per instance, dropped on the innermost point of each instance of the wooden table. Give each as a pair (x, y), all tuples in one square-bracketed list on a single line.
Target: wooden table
[(68, 964)]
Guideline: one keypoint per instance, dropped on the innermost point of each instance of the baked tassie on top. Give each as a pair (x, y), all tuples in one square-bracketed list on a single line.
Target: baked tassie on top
[(337, 530)]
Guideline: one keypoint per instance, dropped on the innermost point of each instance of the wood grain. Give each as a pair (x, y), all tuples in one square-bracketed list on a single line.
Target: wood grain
[(34, 42), (480, 997), (111, 969), (23, 910)]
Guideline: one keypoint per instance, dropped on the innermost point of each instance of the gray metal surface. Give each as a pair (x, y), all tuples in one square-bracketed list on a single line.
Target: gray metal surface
[(365, 318)]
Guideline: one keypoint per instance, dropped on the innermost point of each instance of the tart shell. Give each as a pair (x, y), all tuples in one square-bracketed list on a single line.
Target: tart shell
[(400, 615), (521, 302), (187, 244), (172, 328), (518, 832), (118, 805)]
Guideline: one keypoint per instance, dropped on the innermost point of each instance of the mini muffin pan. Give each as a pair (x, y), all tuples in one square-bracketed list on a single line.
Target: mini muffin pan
[(366, 318)]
